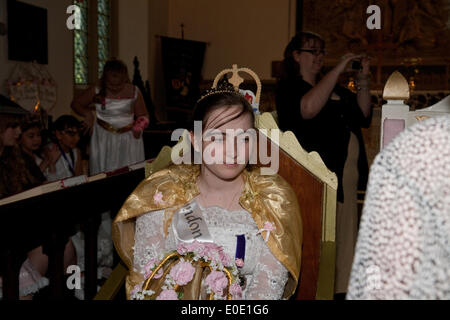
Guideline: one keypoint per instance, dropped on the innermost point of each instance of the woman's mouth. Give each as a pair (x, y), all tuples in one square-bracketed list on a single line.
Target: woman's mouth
[(231, 165)]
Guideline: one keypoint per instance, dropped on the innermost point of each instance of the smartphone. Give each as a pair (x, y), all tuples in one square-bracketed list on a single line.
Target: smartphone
[(356, 65)]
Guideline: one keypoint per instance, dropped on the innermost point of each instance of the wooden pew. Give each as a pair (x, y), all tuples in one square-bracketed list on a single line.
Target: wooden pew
[(50, 219)]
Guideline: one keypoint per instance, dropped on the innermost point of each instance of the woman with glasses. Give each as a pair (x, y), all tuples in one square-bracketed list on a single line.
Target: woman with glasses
[(327, 118)]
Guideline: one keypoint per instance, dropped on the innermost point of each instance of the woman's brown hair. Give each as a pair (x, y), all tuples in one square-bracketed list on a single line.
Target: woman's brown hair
[(111, 66), (221, 99), (290, 67)]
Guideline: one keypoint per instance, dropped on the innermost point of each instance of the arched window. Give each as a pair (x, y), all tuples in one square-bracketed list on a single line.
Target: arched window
[(103, 33), (93, 42), (80, 46)]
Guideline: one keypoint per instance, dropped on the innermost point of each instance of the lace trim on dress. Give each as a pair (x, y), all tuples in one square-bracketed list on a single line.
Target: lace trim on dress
[(265, 275)]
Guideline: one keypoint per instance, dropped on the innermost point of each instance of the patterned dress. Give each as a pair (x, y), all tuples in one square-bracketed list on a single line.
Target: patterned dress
[(265, 277), (403, 247)]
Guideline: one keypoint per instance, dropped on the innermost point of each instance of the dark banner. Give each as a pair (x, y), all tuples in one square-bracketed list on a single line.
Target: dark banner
[(182, 65)]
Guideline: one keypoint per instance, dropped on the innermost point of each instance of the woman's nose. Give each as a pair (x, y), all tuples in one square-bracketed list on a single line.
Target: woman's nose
[(230, 148)]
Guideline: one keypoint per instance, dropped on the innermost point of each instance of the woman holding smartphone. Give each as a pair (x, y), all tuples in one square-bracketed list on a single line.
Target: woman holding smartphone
[(328, 118)]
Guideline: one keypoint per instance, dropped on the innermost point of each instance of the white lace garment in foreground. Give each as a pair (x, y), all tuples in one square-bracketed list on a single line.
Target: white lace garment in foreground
[(265, 275), (403, 247)]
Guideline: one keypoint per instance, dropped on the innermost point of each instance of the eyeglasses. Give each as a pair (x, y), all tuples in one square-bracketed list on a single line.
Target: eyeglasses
[(315, 52), (71, 133)]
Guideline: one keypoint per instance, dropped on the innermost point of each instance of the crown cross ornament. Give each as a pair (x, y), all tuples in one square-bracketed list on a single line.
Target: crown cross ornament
[(232, 85)]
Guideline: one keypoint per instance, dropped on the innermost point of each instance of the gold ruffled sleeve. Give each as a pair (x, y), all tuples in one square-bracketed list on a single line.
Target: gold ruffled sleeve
[(270, 198), (176, 188)]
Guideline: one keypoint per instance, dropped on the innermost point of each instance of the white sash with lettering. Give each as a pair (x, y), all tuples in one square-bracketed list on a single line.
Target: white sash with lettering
[(189, 225)]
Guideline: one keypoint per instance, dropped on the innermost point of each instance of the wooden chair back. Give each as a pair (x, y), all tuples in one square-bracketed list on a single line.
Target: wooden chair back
[(396, 115)]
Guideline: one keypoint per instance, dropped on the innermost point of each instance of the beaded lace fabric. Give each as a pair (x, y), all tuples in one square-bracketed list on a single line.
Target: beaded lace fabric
[(265, 276), (403, 247)]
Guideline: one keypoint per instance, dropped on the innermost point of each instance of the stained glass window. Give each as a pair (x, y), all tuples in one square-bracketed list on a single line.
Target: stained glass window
[(103, 27), (92, 44), (81, 58)]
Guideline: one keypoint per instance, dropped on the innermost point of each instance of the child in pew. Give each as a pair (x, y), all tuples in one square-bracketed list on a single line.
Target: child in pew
[(66, 136), (30, 280), (15, 177), (30, 145)]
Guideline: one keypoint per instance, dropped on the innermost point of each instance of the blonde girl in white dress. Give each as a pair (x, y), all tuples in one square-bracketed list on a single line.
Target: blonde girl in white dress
[(116, 115)]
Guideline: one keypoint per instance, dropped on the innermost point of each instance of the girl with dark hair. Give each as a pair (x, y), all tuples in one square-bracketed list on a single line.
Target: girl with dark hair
[(15, 174), (68, 156), (115, 112), (31, 145), (327, 118), (253, 218)]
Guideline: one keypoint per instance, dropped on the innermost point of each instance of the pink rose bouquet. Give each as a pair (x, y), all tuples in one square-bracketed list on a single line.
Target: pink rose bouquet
[(167, 295), (182, 273), (217, 281), (177, 269)]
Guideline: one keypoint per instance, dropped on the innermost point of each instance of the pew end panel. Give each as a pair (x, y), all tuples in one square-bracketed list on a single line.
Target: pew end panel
[(397, 116)]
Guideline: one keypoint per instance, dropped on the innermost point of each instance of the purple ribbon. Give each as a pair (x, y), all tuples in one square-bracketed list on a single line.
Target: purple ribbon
[(240, 250)]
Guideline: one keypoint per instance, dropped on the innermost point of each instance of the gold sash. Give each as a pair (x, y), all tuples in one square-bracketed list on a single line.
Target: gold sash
[(105, 125)]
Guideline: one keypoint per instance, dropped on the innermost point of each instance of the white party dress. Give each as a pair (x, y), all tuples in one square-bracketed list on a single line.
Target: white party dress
[(108, 150)]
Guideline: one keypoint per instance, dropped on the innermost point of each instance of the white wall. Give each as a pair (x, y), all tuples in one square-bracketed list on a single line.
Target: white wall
[(132, 41), (60, 51), (158, 16), (133, 34), (251, 33)]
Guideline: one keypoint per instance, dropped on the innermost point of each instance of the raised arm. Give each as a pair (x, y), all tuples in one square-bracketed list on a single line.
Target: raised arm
[(363, 88), (82, 106), (316, 98)]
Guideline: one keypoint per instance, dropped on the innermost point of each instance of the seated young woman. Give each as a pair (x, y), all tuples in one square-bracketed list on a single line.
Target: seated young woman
[(254, 218)]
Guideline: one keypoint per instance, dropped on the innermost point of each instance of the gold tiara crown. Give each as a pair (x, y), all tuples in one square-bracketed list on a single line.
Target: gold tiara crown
[(223, 85)]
